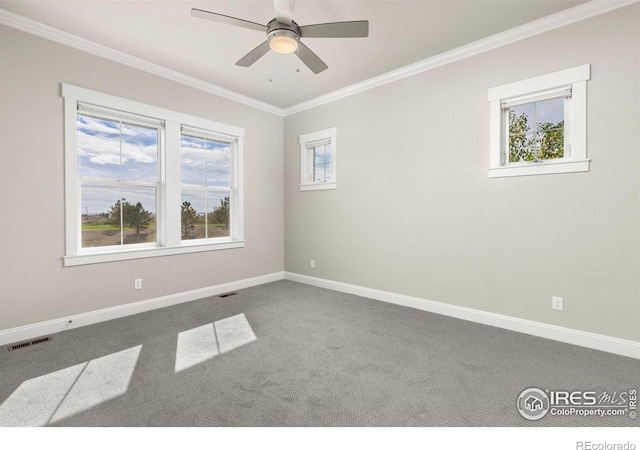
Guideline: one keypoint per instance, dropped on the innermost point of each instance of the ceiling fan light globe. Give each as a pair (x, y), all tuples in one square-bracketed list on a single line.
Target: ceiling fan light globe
[(283, 42)]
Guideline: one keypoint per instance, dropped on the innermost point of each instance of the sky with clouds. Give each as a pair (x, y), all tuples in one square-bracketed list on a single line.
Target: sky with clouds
[(112, 150)]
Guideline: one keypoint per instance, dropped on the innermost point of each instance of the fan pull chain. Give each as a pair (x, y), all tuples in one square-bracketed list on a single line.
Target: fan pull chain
[(298, 58), (271, 70)]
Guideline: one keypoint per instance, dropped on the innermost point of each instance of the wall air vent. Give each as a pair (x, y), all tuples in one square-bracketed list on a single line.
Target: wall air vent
[(25, 344)]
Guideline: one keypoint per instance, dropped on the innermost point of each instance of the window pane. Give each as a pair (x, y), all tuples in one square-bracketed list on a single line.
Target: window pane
[(139, 214), (112, 215), (318, 175), (522, 147), (327, 171), (322, 163), (552, 144), (192, 215), (320, 154), (322, 173), (139, 153), (113, 150), (218, 164), (100, 215), (522, 118), (327, 153), (550, 111), (193, 160), (536, 131), (205, 162), (204, 214), (98, 143), (217, 214)]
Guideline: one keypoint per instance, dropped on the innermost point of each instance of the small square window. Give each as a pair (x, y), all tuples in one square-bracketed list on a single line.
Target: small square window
[(538, 126), (536, 131), (318, 160)]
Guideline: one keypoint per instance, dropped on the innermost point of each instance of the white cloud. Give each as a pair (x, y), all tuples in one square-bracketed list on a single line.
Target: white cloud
[(105, 159)]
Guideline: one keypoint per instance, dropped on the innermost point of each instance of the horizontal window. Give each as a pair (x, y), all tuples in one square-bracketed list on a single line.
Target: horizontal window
[(143, 181)]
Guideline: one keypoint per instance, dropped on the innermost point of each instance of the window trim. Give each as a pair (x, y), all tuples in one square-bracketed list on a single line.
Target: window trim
[(574, 79), (328, 135), (169, 186)]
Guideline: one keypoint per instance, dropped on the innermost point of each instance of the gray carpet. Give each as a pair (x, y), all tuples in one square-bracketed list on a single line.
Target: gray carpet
[(287, 354)]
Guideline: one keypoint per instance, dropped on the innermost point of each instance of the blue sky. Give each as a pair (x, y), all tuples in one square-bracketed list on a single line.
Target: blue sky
[(540, 112), (322, 163), (205, 162), (111, 150)]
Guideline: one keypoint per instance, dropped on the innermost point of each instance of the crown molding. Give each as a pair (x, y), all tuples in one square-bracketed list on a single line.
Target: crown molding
[(568, 16), (62, 37)]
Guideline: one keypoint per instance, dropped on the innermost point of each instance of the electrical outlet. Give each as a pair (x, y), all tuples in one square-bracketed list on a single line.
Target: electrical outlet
[(137, 283), (557, 303), (312, 263)]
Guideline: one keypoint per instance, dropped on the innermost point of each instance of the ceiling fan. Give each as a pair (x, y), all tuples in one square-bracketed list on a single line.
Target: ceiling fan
[(284, 34)]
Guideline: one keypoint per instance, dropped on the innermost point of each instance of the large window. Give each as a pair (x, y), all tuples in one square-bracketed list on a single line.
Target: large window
[(538, 126), (143, 181), (117, 168), (318, 160), (206, 185)]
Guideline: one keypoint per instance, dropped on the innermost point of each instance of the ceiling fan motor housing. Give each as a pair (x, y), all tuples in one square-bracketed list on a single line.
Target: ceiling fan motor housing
[(283, 38)]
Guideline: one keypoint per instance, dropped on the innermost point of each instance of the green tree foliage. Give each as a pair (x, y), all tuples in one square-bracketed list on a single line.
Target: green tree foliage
[(552, 140), (220, 214), (134, 216), (114, 214), (546, 142), (188, 217)]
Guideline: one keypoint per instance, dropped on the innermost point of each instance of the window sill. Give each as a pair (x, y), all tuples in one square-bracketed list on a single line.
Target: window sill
[(539, 168), (96, 258), (318, 186)]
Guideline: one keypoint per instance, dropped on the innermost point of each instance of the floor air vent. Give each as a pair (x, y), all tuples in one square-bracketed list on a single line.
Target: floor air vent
[(228, 294), (25, 344)]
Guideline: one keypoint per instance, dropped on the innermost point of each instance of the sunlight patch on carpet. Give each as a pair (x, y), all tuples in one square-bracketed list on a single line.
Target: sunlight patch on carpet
[(203, 343), (234, 332), (57, 395), (195, 346)]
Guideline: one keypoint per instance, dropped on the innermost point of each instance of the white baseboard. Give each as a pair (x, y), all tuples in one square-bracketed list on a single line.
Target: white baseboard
[(584, 339), (79, 320)]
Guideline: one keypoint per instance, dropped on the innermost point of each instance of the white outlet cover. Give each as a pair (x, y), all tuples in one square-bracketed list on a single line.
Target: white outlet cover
[(557, 303)]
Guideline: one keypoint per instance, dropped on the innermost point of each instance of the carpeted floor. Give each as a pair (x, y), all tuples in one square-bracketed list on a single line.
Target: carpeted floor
[(287, 354)]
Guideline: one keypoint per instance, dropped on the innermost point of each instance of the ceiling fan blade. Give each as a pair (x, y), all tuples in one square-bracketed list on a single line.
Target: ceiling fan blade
[(310, 59), (357, 28), (221, 18), (254, 55), (284, 11)]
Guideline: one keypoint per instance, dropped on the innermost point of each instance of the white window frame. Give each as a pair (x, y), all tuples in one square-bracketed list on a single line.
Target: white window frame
[(169, 188), (307, 143), (575, 159)]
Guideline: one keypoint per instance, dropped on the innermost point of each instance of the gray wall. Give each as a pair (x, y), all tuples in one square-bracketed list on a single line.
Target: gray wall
[(34, 286), (416, 214)]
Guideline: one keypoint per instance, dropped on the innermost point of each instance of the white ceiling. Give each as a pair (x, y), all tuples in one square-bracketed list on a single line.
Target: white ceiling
[(400, 33)]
